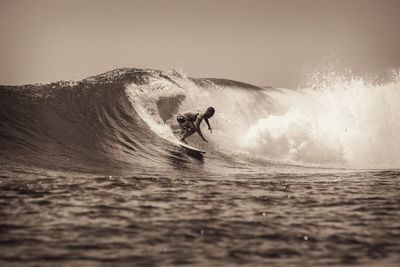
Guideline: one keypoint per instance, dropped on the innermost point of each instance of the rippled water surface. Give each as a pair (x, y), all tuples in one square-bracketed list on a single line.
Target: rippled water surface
[(200, 219)]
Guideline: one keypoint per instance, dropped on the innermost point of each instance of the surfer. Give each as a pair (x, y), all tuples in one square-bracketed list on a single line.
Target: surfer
[(190, 123)]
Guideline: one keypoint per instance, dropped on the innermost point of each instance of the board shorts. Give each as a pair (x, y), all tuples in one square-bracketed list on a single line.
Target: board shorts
[(185, 124)]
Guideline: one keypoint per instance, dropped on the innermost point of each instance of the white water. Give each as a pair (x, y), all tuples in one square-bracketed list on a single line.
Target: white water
[(343, 123), (144, 100), (347, 122)]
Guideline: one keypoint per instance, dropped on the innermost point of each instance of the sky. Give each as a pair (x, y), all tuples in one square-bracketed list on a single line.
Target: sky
[(266, 42)]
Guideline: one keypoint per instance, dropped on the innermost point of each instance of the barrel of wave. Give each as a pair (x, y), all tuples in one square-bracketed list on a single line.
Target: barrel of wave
[(236, 109)]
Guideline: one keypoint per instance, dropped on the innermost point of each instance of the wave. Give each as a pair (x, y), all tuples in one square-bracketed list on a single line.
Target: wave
[(83, 124), (344, 122), (123, 118)]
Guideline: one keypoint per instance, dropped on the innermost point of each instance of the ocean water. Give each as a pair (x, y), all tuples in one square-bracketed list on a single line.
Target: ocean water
[(91, 175)]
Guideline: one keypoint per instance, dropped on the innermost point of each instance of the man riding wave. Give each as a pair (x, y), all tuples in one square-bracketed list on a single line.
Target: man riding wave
[(190, 123)]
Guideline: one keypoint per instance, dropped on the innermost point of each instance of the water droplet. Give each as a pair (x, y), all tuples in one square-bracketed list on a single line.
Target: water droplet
[(305, 238)]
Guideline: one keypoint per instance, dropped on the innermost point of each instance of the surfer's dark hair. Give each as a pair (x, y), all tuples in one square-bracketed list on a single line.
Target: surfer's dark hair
[(211, 110)]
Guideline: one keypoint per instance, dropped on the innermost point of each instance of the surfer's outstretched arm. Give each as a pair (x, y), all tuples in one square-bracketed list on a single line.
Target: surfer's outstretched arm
[(209, 126), (199, 130)]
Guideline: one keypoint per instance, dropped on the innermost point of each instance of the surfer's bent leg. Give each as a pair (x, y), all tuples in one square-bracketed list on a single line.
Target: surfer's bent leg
[(187, 127), (190, 129), (188, 133)]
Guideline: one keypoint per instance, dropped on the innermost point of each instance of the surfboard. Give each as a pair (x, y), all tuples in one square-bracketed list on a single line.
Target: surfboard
[(191, 149)]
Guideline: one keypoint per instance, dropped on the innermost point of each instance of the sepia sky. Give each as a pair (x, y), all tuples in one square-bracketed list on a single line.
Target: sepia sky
[(266, 42)]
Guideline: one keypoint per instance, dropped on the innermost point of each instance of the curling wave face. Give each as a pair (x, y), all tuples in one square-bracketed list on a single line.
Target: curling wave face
[(121, 119)]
